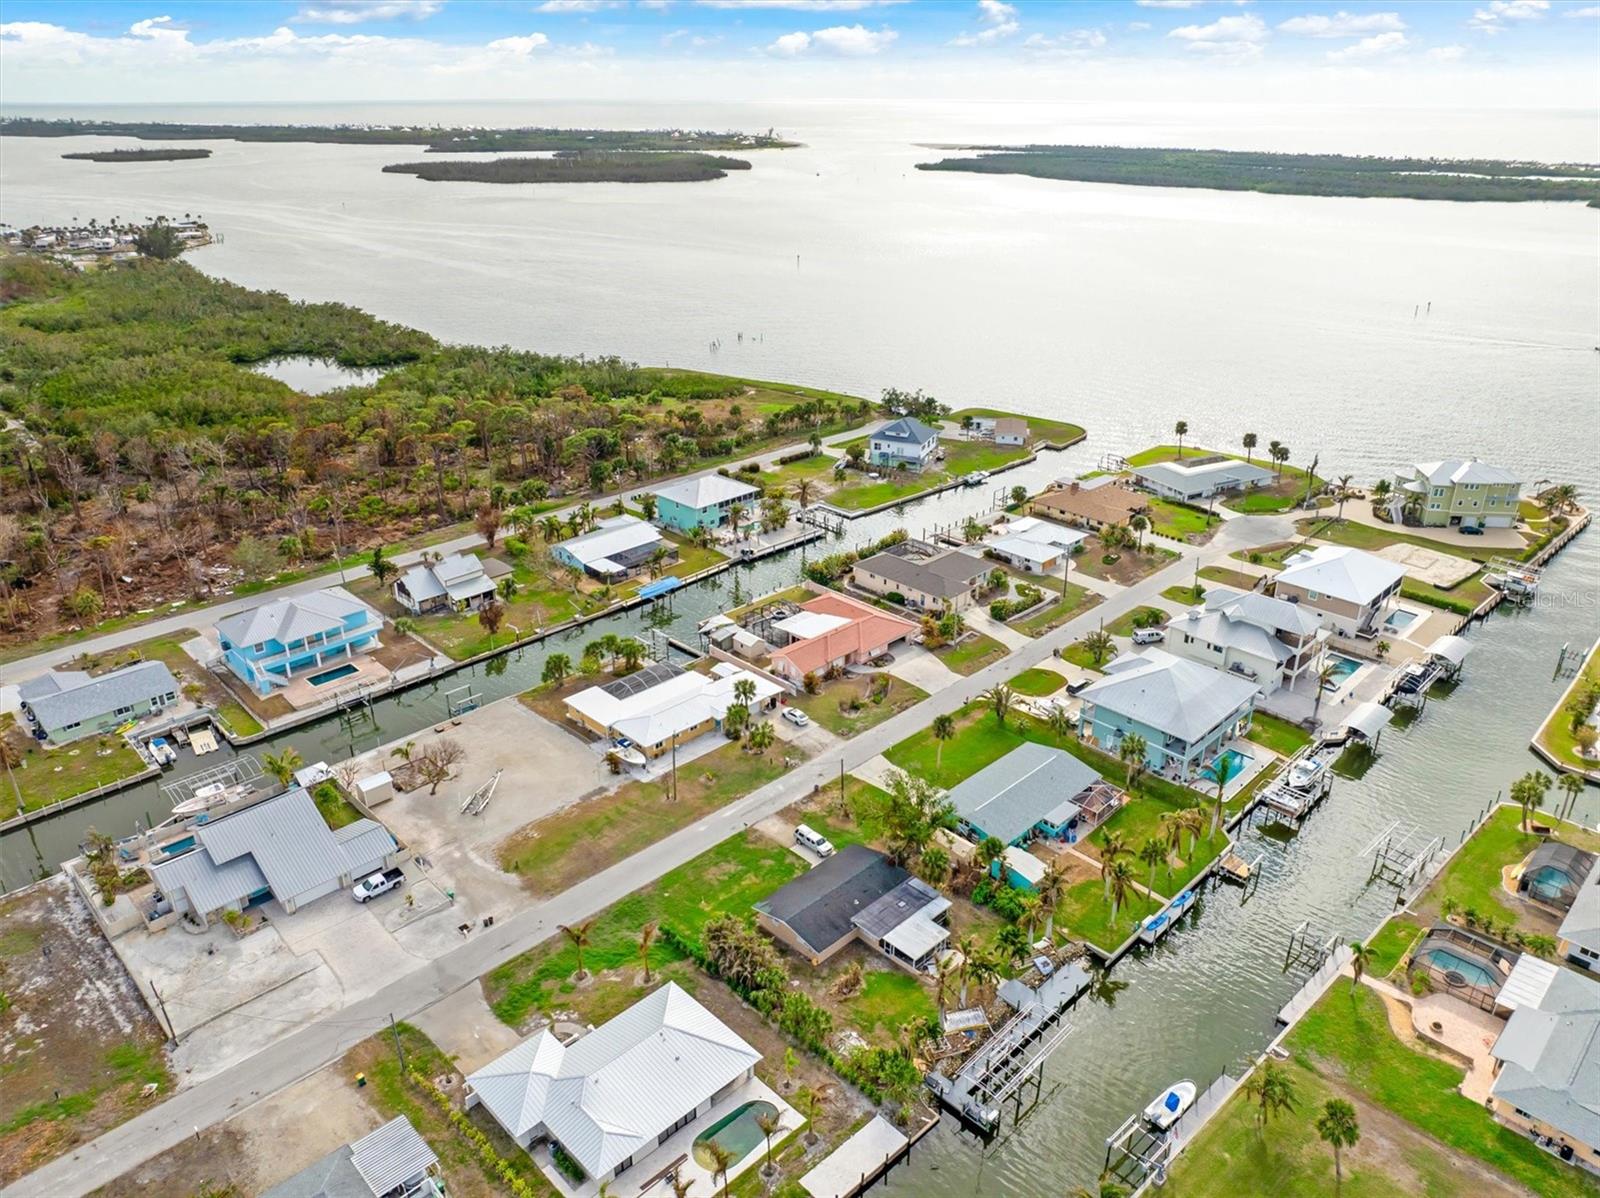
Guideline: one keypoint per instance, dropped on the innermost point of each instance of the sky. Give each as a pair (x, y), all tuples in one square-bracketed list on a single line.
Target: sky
[(1511, 53)]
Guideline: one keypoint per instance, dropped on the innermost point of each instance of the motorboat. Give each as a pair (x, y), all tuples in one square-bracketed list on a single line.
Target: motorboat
[(1161, 922), (1166, 1109), (976, 479), (628, 754), (206, 798), (162, 752), (1307, 772)]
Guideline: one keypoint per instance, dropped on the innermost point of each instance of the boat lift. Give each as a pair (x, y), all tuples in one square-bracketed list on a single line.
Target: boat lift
[(459, 700), (1517, 581), (1309, 947), (239, 775), (1401, 852), (479, 799)]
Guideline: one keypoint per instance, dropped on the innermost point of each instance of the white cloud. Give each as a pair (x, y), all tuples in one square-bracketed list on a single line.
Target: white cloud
[(846, 41), (1376, 46), (1447, 53), (1168, 3), (1592, 10), (520, 47), (1492, 18), (1138, 26), (1343, 24), (800, 5), (1073, 43), (999, 21), (353, 12), (565, 6), (1236, 39)]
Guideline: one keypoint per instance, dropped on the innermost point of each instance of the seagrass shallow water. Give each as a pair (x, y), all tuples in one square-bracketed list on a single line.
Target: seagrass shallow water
[(1122, 309)]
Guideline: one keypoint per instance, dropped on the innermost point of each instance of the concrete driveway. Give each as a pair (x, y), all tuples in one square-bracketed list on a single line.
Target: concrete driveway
[(914, 664)]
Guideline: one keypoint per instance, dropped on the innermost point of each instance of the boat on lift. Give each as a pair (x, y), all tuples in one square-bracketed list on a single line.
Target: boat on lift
[(1170, 1105)]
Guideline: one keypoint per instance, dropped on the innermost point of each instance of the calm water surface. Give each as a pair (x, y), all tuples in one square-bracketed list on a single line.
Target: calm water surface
[(1302, 319)]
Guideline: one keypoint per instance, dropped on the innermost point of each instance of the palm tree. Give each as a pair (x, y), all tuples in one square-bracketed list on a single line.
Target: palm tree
[(1060, 722), (736, 514), (1100, 645), (1120, 880), (991, 850), (283, 765), (681, 1185), (968, 948), (1573, 785), (808, 1105), (1138, 523), (770, 1126), (1272, 1089), (1030, 901), (1152, 853), (1182, 429), (1272, 452), (1000, 699), (1013, 943), (944, 728), (1528, 792), (1112, 846), (1050, 890), (1360, 958), (1338, 1128), (945, 971), (804, 489), (1131, 751), (578, 936), (1325, 675), (1224, 769), (744, 690), (1249, 445), (647, 937), (1342, 491), (760, 738), (721, 1158)]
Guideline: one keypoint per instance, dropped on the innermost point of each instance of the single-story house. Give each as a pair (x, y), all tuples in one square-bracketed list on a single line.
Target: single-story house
[(1351, 590), (1547, 1067), (1271, 642), (1018, 868), (1030, 792), (949, 580), (1091, 506), (1578, 937), (852, 633), (705, 501), (618, 1092), (270, 645), (67, 705), (454, 583), (391, 1162), (1553, 874), (859, 895), (1035, 546), (906, 442), (279, 848), (664, 704), (1008, 430), (617, 548), (1185, 711), (1196, 480), (1456, 493)]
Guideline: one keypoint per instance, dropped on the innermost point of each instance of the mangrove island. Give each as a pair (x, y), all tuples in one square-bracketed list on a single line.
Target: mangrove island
[(577, 166), (162, 155)]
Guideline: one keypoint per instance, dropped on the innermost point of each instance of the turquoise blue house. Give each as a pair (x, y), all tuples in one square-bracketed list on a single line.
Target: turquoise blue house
[(1186, 712), (316, 634), (1034, 792), (905, 443), (703, 502)]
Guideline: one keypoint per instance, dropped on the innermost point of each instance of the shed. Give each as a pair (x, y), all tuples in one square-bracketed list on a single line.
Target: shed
[(1022, 869), (379, 788)]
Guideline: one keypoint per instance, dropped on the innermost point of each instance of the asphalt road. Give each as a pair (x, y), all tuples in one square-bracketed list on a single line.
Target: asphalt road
[(309, 1048)]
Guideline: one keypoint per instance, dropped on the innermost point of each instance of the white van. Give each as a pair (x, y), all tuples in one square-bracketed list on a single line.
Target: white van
[(808, 838), (1148, 636)]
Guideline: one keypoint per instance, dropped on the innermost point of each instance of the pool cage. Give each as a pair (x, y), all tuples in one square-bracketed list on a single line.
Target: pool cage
[(1466, 966)]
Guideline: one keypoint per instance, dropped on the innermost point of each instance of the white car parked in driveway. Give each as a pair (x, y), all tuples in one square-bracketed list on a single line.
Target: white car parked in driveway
[(1148, 636), (796, 717)]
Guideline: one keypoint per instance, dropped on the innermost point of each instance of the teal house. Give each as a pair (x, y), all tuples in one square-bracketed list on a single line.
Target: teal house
[(315, 634), (703, 502)]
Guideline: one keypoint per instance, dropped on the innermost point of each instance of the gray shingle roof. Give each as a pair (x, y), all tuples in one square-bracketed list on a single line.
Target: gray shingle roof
[(1028, 784), (290, 620), (1550, 1058), (820, 906), (1582, 924), (907, 430), (944, 576), (72, 697)]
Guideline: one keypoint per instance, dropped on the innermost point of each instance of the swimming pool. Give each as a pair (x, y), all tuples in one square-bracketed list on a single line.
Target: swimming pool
[(1236, 760), (736, 1131), (1472, 973), (333, 675), (1549, 883), (1341, 668), (1400, 618)]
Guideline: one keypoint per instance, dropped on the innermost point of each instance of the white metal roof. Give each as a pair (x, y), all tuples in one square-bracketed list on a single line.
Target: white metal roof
[(1044, 532), (391, 1156), (1369, 719), (916, 937), (1222, 472), (612, 1092), (618, 534), (1170, 694), (673, 705), (1527, 982), (706, 489), (804, 625), (1038, 552), (1453, 649), (1024, 864), (290, 620), (1455, 470), (1353, 575)]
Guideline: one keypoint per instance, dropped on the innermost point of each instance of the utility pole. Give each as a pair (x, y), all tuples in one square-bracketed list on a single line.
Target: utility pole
[(841, 784), (399, 1050), (165, 1018)]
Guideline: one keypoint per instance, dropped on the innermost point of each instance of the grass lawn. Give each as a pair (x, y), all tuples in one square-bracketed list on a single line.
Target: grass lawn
[(963, 457), (1237, 579), (728, 877), (856, 496), (49, 776), (1277, 496), (1365, 536), (890, 999), (189, 673), (1085, 914), (794, 594), (862, 819), (1078, 654), (1034, 681), (1056, 432), (1179, 522), (1127, 566), (1139, 820), (818, 468), (1472, 879), (1075, 602), (1279, 735), (1344, 1048), (1556, 734), (336, 810), (825, 706), (1124, 624), (972, 654), (1184, 594), (563, 849), (1390, 943)]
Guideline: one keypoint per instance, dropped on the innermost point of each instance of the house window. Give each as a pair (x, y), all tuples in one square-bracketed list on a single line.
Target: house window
[(1313, 595), (123, 711), (1433, 507)]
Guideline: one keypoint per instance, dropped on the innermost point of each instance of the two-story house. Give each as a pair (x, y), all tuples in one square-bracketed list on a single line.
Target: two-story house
[(1185, 712), (1351, 590), (1457, 493), (269, 646), (1271, 642), (704, 502), (905, 443)]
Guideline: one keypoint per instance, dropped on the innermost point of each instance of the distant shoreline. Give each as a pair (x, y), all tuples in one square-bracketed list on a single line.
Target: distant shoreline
[(1461, 180), (581, 167), (166, 155)]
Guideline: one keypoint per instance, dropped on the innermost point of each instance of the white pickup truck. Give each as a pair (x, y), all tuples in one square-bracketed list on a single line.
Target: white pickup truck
[(376, 884)]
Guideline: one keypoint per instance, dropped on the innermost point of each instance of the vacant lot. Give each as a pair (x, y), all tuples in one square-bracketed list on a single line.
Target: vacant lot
[(972, 654), (77, 1045), (850, 706)]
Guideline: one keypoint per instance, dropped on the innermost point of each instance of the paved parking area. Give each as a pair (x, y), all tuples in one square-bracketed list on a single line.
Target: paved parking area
[(914, 664)]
